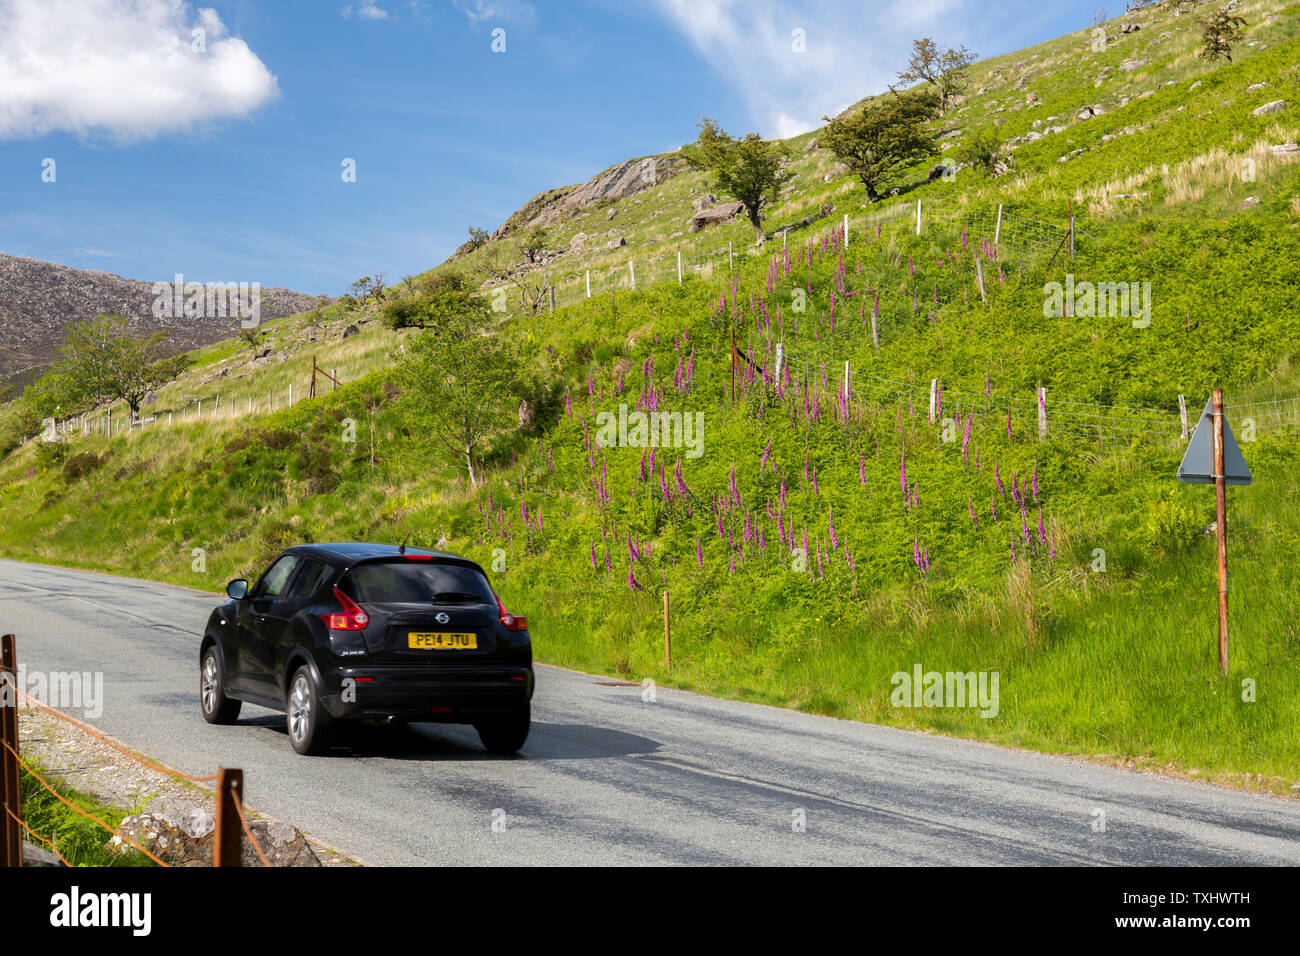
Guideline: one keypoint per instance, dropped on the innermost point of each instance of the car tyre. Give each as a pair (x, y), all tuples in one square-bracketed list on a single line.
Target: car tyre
[(307, 721), (216, 706), (505, 735)]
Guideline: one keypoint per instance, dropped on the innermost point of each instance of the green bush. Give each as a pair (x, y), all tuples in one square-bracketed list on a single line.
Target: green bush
[(1170, 526), (80, 465)]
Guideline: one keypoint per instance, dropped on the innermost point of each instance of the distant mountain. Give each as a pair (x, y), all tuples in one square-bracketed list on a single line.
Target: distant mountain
[(39, 299)]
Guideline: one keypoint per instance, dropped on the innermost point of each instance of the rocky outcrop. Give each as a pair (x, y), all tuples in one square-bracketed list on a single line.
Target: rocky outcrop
[(38, 300), (618, 182)]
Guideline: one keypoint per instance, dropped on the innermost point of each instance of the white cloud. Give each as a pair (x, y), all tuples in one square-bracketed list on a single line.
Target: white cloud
[(128, 68), (373, 11), (497, 11), (850, 50)]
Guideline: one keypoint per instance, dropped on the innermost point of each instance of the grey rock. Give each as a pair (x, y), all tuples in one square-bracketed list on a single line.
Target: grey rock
[(1277, 106), (722, 212), (350, 331), (704, 202)]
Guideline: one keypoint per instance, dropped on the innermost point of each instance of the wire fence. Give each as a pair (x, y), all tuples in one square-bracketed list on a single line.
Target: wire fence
[(11, 762), (1031, 237)]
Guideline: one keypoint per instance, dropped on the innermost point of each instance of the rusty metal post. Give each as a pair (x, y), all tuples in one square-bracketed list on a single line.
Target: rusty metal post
[(1221, 528), (228, 836), (11, 847)]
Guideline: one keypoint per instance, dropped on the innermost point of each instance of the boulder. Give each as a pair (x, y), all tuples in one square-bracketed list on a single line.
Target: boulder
[(1088, 112), (722, 212), (1248, 202), (350, 331), (1128, 66), (704, 202), (1277, 106)]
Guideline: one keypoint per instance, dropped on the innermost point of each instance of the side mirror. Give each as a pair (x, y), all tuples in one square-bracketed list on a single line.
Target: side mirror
[(237, 589)]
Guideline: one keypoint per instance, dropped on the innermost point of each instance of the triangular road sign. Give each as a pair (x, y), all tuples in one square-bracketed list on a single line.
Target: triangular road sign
[(1197, 467)]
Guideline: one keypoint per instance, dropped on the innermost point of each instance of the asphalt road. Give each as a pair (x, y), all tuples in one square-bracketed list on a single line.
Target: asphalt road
[(609, 778)]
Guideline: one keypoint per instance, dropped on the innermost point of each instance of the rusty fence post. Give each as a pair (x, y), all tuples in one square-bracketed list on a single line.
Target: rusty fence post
[(227, 837), (11, 847)]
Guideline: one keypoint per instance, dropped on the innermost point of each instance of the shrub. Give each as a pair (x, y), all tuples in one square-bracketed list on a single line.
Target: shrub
[(1170, 527), (80, 465)]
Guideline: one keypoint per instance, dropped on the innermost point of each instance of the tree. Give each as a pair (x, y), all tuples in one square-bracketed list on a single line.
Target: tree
[(108, 364), (463, 385), (534, 244), (533, 286), (1220, 30), (945, 71), (885, 136), (750, 169), (438, 302), (477, 237), (252, 337)]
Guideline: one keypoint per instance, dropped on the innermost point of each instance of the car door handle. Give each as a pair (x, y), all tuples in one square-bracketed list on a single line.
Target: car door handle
[(260, 618)]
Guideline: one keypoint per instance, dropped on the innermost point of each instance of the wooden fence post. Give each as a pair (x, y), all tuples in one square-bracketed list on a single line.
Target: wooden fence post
[(679, 267), (934, 385), (979, 278), (668, 638), (227, 837), (1182, 413), (918, 217), (1042, 412), (997, 233), (589, 281), (11, 846)]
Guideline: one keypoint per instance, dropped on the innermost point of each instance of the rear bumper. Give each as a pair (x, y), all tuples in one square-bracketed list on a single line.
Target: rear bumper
[(453, 694)]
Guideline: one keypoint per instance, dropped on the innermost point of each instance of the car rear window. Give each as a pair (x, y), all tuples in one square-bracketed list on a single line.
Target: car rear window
[(419, 582)]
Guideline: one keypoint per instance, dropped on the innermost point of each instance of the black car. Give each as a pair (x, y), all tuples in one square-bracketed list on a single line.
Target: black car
[(369, 632)]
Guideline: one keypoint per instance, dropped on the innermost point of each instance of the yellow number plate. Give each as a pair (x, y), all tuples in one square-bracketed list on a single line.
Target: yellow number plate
[(425, 641)]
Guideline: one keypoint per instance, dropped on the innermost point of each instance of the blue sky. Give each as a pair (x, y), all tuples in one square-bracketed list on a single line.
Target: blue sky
[(224, 162)]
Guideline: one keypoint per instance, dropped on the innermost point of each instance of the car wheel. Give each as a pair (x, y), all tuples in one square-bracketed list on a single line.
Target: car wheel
[(217, 707), (505, 735), (307, 719)]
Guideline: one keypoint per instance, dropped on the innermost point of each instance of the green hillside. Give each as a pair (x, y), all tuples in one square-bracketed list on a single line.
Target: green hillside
[(822, 540)]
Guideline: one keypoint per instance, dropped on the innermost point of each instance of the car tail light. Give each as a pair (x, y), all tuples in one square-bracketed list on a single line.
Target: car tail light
[(419, 557), (510, 621), (352, 618)]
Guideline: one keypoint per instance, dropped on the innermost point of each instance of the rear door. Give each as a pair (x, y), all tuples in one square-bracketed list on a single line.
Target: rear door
[(426, 611)]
